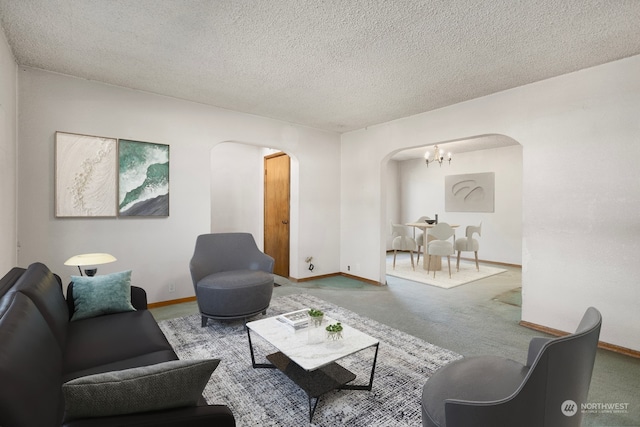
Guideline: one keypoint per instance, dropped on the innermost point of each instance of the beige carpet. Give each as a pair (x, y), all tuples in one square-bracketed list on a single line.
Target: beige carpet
[(466, 274)]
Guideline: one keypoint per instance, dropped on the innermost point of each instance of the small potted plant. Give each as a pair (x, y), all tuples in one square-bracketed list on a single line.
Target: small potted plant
[(334, 331), (315, 317)]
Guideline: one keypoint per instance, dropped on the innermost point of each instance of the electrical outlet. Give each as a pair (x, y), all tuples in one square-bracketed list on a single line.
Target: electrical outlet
[(172, 287), (348, 268)]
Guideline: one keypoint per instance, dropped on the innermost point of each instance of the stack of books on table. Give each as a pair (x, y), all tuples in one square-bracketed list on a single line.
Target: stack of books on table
[(295, 320)]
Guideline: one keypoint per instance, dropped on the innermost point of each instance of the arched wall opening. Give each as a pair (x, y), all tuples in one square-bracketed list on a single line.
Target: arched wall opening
[(237, 190), (410, 189)]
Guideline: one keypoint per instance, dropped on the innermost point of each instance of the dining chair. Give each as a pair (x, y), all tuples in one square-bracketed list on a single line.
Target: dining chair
[(468, 244), (420, 237), (403, 242), (440, 245)]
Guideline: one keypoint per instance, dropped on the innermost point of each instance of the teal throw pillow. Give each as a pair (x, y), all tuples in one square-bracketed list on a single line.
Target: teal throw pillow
[(165, 385), (104, 294)]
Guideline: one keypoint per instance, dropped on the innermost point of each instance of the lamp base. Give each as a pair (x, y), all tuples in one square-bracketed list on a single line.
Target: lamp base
[(90, 271)]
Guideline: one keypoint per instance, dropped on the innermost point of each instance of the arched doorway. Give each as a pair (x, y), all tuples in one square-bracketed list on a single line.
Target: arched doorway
[(238, 191), (412, 189)]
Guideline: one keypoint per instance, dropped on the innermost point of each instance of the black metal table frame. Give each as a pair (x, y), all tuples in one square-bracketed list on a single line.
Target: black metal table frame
[(280, 361)]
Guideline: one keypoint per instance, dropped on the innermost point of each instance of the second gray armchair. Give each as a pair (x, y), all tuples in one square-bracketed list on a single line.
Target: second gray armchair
[(493, 391)]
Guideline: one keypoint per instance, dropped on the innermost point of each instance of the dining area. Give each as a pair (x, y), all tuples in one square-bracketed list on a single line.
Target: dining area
[(432, 240), (417, 192)]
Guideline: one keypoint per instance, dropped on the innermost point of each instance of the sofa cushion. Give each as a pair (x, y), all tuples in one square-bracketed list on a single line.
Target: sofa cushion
[(165, 385), (30, 361), (110, 338), (104, 294), (45, 290)]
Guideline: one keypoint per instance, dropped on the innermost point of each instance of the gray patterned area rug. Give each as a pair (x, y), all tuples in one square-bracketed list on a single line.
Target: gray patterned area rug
[(266, 397)]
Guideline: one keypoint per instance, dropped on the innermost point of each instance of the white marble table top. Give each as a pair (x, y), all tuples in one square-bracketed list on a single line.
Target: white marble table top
[(309, 347)]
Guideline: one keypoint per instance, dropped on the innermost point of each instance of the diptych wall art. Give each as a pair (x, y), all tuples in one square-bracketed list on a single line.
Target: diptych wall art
[(144, 179), (105, 177), (86, 172), (469, 192)]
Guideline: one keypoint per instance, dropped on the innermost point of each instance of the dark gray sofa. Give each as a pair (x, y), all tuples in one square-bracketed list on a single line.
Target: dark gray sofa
[(40, 349)]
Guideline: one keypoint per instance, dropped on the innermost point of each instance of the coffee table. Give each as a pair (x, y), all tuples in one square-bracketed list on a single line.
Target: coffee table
[(309, 359)]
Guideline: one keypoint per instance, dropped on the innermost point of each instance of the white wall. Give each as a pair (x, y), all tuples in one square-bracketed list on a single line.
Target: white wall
[(8, 201), (158, 250), (580, 190), (422, 193), (393, 199), (237, 189)]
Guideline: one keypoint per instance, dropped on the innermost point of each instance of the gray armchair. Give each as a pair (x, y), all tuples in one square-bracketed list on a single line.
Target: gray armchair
[(493, 391), (232, 278)]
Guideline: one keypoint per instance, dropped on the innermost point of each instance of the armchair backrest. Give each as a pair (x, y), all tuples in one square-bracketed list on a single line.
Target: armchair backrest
[(564, 366), (555, 386), (218, 252)]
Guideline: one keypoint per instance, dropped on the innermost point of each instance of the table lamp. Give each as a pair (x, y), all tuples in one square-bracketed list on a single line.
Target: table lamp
[(90, 259)]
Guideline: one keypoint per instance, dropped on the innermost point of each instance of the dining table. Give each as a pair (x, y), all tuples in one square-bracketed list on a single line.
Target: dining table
[(436, 261)]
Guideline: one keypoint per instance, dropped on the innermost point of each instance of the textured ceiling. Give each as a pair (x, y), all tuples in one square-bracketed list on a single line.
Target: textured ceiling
[(334, 64)]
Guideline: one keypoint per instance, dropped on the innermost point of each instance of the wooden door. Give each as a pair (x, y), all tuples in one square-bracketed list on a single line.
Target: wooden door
[(276, 211)]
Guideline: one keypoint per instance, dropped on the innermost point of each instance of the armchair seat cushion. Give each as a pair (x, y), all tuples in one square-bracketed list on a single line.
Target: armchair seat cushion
[(483, 378), (234, 293)]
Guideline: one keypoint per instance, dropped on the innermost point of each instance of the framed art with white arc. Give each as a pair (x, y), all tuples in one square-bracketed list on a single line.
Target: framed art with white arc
[(143, 179), (473, 192), (85, 176)]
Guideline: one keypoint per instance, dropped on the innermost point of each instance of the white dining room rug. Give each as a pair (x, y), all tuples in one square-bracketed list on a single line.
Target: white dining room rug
[(266, 397), (467, 273)]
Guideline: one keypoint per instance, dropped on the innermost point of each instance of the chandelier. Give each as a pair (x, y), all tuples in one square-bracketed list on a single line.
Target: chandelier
[(438, 156)]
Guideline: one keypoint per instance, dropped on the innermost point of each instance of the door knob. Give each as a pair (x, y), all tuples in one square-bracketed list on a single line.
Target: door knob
[(284, 221)]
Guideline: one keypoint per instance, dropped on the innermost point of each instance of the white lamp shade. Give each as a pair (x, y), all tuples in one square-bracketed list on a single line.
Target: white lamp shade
[(90, 259)]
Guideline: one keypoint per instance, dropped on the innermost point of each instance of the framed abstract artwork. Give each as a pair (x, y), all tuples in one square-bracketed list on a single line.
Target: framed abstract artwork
[(473, 192), (85, 176), (143, 173)]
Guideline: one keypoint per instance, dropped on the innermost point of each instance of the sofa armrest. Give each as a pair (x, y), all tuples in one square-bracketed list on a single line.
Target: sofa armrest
[(138, 298), (193, 416)]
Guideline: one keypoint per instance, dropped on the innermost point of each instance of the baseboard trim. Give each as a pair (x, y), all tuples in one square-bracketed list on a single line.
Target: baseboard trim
[(308, 279), (504, 264), (601, 344), (171, 302), (324, 276), (362, 279)]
